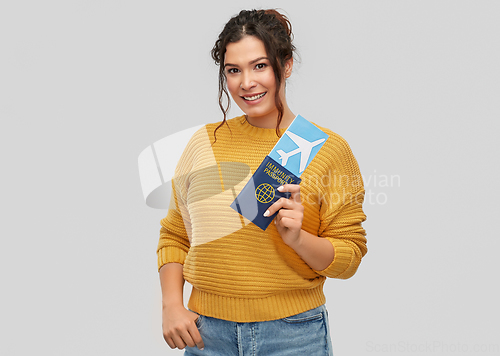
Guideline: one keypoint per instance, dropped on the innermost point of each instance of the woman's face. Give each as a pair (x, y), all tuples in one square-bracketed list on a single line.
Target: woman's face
[(251, 82)]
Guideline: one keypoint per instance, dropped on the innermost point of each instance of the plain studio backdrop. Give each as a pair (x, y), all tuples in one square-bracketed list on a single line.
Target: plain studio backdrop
[(85, 86)]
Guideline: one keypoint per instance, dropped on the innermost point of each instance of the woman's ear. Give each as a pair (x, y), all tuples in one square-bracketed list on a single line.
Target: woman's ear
[(288, 67)]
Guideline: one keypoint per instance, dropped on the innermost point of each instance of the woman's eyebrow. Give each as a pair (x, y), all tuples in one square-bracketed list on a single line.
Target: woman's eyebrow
[(258, 59), (251, 62)]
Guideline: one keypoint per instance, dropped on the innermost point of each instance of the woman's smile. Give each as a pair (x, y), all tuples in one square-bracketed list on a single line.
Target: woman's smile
[(253, 98)]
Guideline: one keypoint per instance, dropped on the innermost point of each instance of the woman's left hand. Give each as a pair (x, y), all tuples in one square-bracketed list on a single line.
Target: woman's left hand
[(290, 215)]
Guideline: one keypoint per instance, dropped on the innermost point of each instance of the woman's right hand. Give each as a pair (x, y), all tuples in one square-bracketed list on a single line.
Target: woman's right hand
[(179, 327)]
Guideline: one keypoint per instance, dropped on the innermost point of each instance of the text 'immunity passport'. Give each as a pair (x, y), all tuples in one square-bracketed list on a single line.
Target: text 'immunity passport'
[(285, 163)]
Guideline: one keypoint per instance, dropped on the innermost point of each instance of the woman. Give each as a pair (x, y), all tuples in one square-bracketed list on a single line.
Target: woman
[(256, 292)]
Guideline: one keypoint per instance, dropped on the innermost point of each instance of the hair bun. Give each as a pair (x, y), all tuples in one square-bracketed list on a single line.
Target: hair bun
[(282, 18)]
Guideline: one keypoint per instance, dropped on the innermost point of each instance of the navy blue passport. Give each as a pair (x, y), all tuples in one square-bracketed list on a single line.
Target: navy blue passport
[(261, 192)]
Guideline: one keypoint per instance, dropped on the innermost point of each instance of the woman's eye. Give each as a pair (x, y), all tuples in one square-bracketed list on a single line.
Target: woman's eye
[(261, 66), (232, 70)]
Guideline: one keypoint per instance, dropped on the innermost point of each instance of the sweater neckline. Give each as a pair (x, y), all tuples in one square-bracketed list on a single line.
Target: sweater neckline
[(258, 133)]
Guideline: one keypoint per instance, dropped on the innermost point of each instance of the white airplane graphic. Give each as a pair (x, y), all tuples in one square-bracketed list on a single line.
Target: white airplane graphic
[(304, 148)]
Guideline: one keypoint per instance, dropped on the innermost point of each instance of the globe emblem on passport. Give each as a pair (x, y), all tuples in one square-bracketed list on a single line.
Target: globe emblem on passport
[(264, 193)]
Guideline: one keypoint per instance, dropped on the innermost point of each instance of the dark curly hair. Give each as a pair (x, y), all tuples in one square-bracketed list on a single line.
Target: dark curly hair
[(274, 30)]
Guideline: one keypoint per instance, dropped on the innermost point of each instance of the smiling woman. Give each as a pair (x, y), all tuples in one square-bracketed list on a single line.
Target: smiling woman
[(252, 84), (253, 43), (256, 291)]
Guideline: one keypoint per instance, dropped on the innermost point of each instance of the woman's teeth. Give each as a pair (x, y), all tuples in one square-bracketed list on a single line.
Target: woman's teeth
[(255, 97)]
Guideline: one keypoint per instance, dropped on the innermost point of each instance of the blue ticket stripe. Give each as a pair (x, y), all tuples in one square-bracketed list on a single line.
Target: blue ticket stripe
[(298, 145)]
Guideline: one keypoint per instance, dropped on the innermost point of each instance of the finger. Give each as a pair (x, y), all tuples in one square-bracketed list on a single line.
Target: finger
[(294, 189), (187, 338), (289, 223), (289, 218), (179, 343), (169, 341), (277, 220), (289, 213), (196, 337), (280, 203)]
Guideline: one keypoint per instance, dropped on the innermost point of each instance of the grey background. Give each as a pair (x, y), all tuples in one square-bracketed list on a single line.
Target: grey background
[(85, 86)]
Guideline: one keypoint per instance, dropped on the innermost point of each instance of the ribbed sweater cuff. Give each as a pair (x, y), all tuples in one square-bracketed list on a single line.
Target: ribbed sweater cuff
[(170, 254), (343, 262), (256, 309)]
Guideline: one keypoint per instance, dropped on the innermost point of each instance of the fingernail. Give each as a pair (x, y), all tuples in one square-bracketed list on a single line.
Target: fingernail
[(266, 213), (280, 188), (202, 349)]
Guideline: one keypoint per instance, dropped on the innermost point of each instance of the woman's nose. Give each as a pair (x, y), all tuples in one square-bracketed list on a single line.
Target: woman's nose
[(247, 82)]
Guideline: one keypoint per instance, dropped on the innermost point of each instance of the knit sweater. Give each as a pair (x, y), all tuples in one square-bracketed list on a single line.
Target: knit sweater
[(238, 271)]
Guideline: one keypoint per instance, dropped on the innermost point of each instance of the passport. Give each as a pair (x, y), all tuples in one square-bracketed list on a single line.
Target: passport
[(261, 192), (285, 163)]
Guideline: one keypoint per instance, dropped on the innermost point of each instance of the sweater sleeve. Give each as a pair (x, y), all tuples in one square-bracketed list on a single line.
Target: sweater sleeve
[(173, 245), (175, 232), (342, 213)]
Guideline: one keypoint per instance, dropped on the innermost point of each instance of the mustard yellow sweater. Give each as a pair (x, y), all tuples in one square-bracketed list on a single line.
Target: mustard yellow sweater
[(239, 272)]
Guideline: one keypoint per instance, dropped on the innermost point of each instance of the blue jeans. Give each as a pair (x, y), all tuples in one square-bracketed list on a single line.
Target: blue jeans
[(306, 333)]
